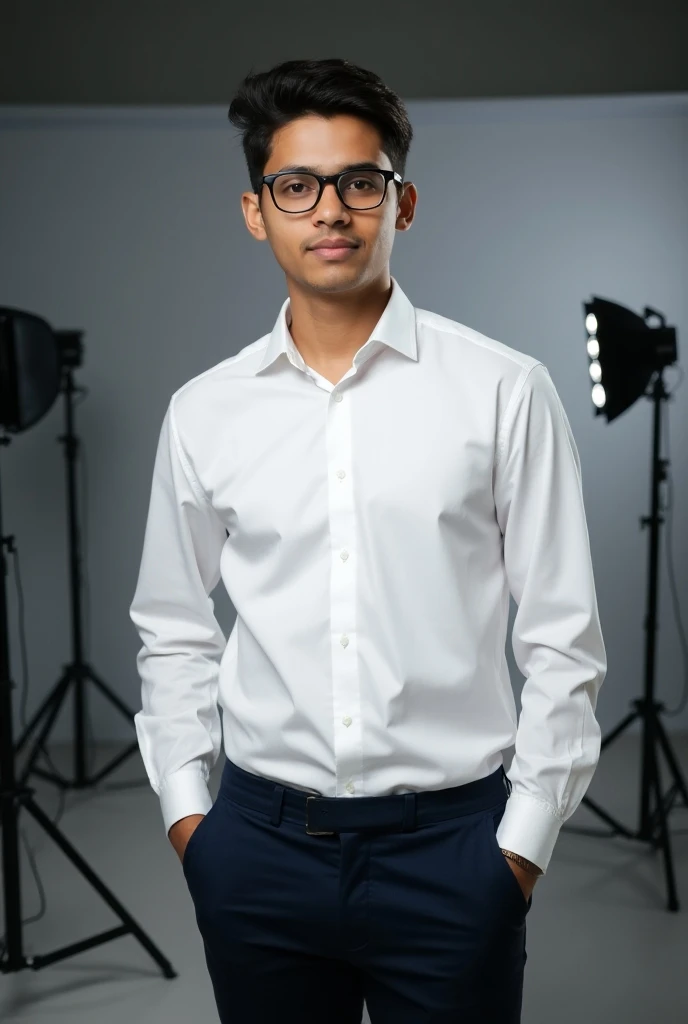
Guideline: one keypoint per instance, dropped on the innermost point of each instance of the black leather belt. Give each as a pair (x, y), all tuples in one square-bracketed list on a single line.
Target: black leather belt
[(403, 812)]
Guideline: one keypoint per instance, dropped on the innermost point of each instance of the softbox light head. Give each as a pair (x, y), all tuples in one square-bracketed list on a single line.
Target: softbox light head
[(624, 351), (32, 356)]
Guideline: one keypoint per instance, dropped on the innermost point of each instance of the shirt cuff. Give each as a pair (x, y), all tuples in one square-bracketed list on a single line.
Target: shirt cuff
[(529, 828), (181, 793)]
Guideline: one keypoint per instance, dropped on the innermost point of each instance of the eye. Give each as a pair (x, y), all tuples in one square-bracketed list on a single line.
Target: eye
[(295, 185), (366, 182), (363, 181)]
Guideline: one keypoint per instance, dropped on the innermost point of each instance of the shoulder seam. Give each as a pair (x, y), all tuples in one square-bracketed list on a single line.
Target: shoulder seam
[(218, 366), (473, 341)]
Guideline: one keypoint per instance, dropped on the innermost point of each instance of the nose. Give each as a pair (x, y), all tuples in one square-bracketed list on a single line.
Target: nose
[(334, 195)]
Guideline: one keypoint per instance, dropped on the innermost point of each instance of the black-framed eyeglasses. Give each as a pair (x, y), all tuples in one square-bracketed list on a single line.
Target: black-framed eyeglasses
[(297, 192)]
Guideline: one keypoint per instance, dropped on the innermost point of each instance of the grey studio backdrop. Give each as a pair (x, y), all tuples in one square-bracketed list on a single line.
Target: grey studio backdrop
[(127, 224)]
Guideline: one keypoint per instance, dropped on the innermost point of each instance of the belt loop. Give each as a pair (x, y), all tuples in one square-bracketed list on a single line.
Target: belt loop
[(277, 798), (409, 820), (507, 783)]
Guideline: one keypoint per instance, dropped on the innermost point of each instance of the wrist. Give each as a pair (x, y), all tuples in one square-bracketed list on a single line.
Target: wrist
[(527, 865), (185, 824)]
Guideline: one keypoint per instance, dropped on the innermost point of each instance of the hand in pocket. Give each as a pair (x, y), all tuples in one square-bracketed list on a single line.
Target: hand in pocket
[(180, 833)]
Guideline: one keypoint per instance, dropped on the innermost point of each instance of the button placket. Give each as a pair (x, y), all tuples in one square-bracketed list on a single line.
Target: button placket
[(346, 695)]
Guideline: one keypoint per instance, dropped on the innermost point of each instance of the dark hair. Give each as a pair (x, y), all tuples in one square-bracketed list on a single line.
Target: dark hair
[(270, 99)]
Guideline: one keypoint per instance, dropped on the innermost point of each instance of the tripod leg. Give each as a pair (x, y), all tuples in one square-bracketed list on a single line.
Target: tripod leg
[(671, 760), (88, 873), (57, 696), (88, 673), (54, 709), (623, 724), (664, 839), (107, 692), (133, 748), (616, 825), (76, 674), (617, 828)]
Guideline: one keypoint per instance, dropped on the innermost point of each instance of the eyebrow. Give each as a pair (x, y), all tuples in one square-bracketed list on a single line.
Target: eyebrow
[(304, 169)]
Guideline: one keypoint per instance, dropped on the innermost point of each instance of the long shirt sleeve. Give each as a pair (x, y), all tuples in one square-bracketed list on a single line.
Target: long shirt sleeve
[(556, 638), (369, 534), (178, 727)]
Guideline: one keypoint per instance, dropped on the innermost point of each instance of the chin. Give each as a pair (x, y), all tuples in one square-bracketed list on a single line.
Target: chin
[(334, 278)]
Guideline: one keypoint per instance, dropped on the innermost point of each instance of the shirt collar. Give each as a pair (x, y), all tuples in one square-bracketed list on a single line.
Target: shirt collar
[(395, 328)]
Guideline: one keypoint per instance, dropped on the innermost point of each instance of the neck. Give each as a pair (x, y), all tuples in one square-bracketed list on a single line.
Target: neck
[(329, 328)]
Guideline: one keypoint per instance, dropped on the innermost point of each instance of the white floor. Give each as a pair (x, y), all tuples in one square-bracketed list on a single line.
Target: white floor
[(601, 945)]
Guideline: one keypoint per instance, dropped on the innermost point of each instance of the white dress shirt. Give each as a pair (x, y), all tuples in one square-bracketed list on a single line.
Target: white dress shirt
[(368, 534)]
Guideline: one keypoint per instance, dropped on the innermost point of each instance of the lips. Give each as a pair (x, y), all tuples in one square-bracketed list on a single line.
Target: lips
[(334, 255), (334, 243)]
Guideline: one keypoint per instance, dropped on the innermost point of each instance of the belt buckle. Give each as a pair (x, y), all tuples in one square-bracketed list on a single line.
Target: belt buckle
[(308, 831)]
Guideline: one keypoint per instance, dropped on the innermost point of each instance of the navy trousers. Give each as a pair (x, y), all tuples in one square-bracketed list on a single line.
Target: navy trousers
[(414, 910)]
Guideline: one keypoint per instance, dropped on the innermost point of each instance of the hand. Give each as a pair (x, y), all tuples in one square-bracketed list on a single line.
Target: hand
[(182, 830), (524, 878)]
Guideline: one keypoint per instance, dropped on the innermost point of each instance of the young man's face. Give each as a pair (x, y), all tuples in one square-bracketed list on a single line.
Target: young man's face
[(328, 146)]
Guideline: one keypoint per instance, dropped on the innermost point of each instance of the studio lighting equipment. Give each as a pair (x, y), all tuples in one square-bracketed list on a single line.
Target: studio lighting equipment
[(627, 355), (36, 363)]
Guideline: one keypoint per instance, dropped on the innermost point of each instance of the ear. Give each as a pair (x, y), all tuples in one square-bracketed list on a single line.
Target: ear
[(406, 206), (250, 206)]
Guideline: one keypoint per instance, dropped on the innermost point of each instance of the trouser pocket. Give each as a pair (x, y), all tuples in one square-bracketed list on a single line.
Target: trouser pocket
[(504, 877)]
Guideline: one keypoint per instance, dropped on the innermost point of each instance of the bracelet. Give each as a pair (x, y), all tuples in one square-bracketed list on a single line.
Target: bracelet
[(525, 864)]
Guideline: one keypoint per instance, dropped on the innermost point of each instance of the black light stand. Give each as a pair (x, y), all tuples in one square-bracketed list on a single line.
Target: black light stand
[(77, 672), (653, 827), (13, 797)]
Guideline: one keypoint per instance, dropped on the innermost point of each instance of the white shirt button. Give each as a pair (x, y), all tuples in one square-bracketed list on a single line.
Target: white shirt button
[(344, 640), (344, 555), (338, 396), (350, 787), (347, 720), (341, 474)]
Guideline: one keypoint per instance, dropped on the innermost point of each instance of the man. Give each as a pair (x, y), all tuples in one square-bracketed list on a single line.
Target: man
[(370, 480)]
